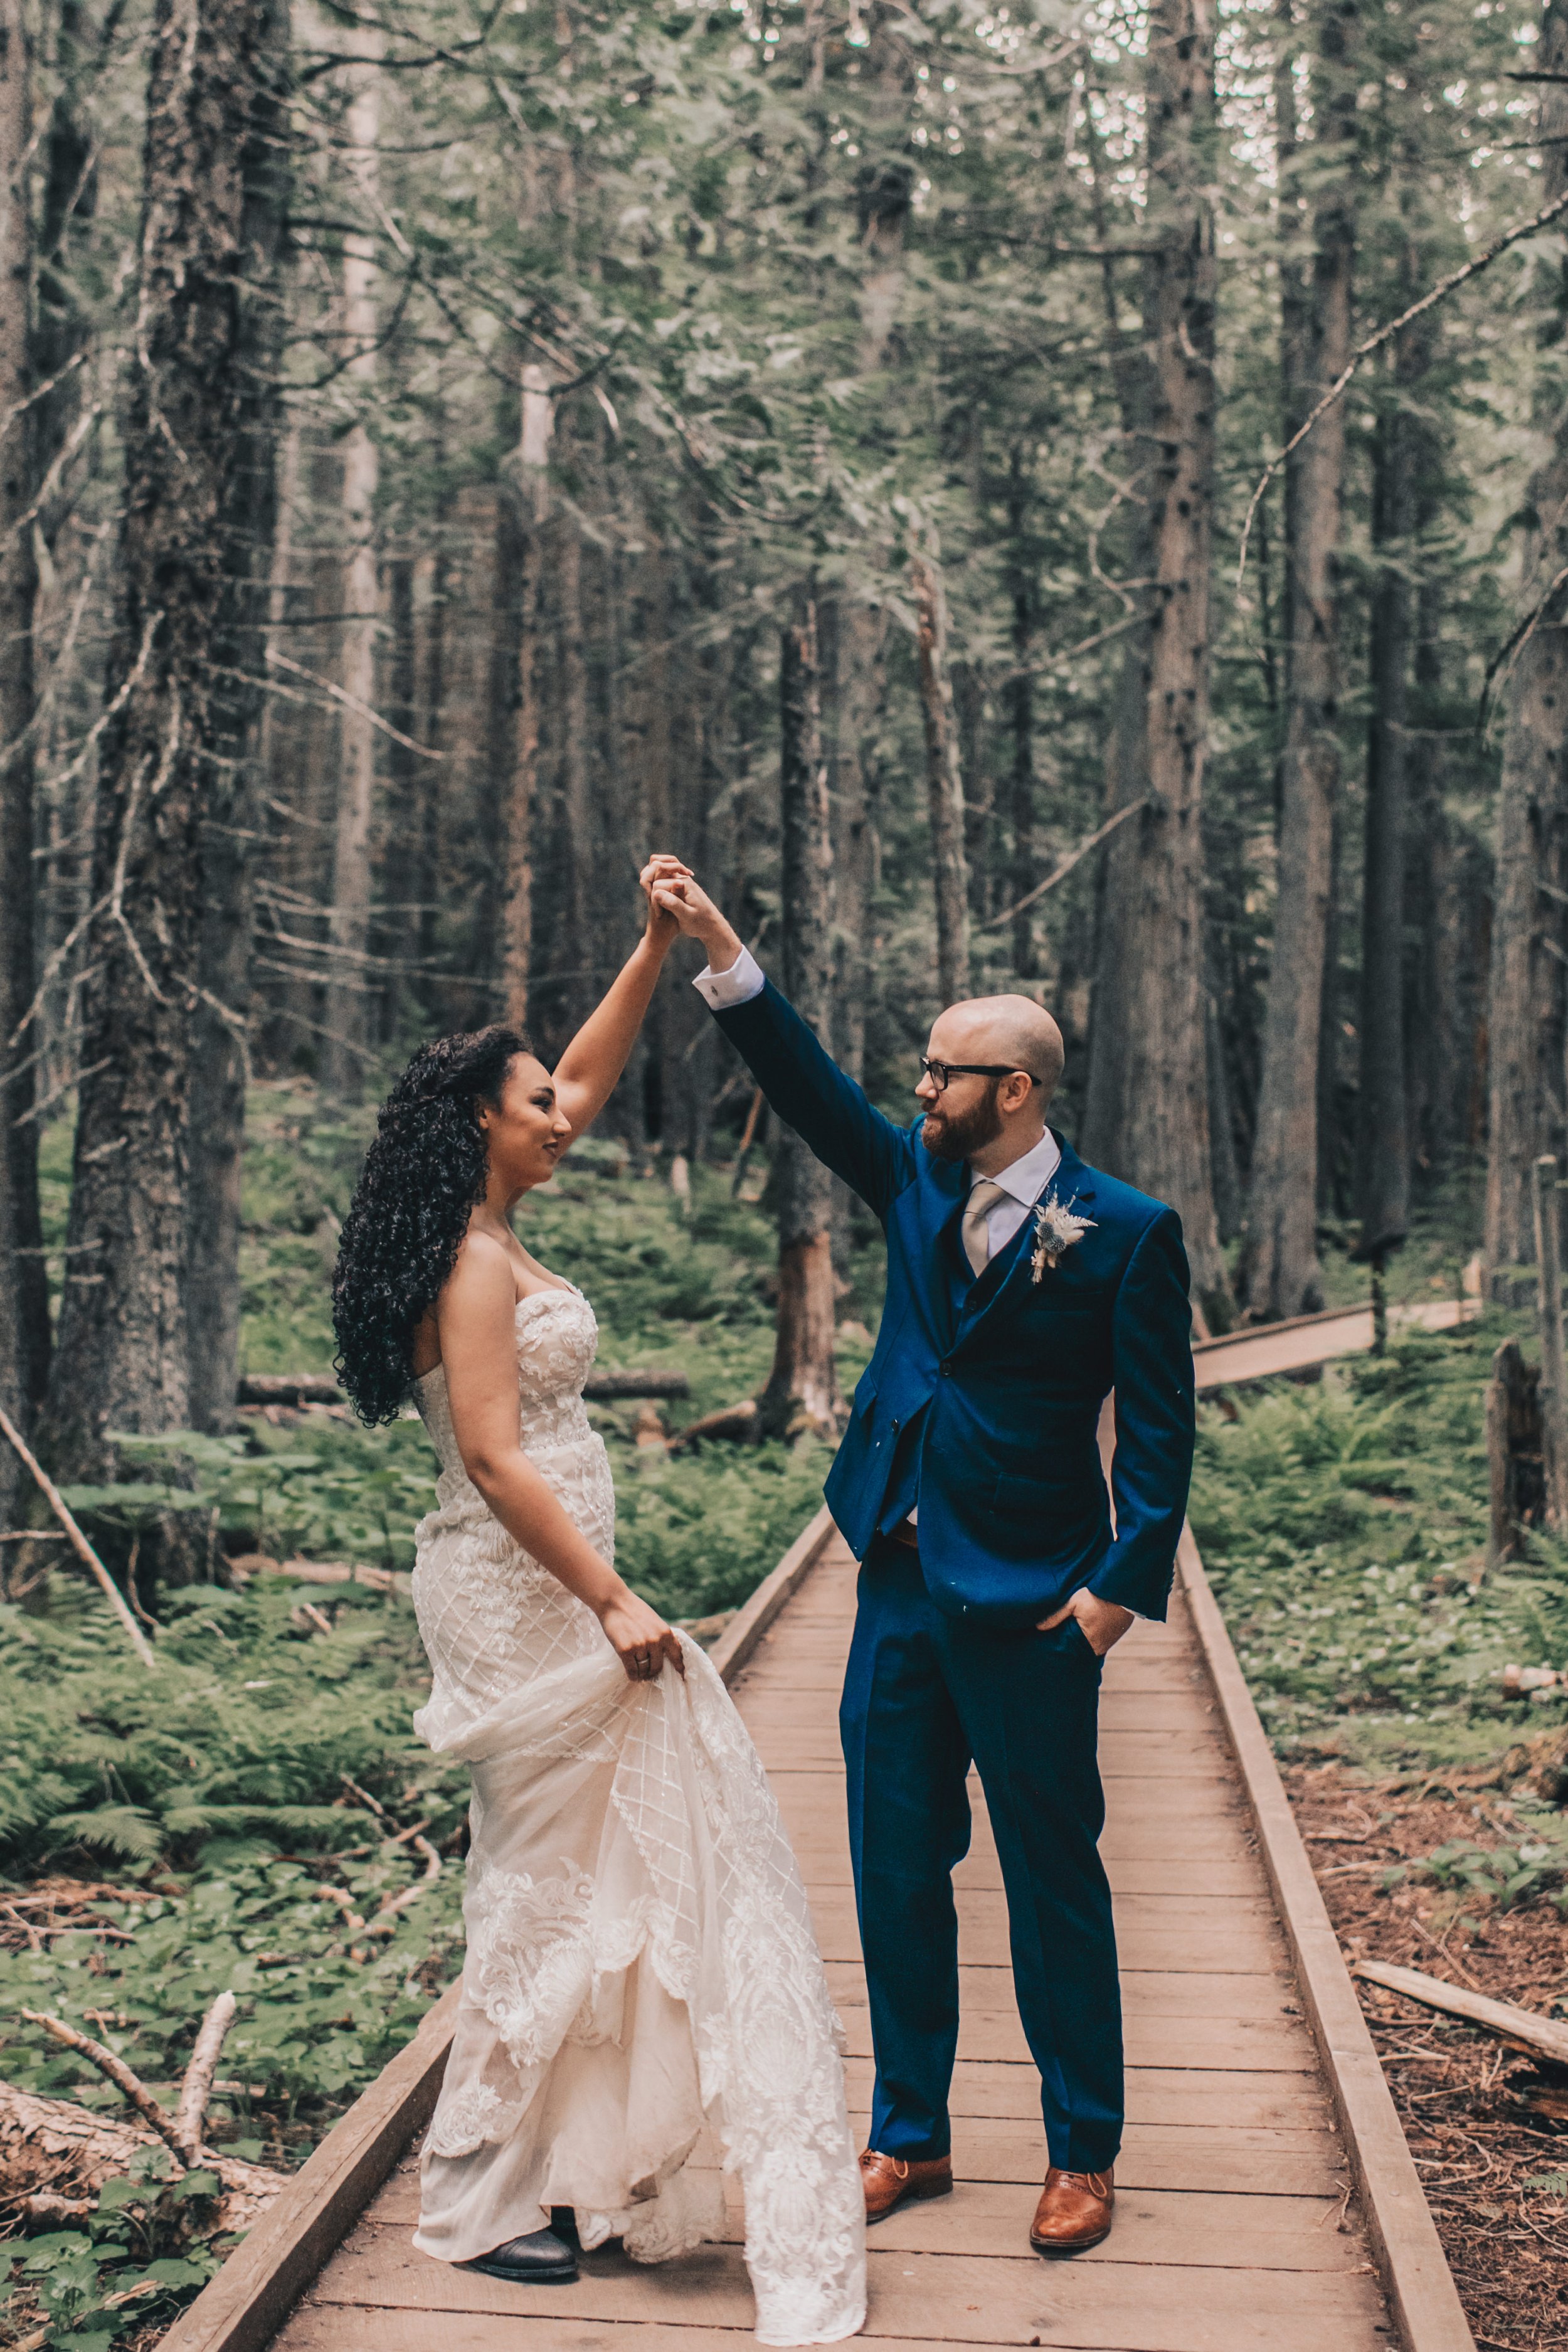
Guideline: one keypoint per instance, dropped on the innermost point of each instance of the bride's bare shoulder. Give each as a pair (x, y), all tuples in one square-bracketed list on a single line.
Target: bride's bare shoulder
[(483, 1280)]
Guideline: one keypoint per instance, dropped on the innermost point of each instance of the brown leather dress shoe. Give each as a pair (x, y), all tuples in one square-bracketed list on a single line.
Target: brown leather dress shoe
[(1074, 2211), (888, 2179)]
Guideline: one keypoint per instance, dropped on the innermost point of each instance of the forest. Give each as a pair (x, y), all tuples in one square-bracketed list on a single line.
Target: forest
[(1069, 498)]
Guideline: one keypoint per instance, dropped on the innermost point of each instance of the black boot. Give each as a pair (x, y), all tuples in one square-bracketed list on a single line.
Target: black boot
[(542, 2259)]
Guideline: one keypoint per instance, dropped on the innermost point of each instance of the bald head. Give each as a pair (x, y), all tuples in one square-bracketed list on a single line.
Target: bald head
[(1010, 1029), (1004, 1056)]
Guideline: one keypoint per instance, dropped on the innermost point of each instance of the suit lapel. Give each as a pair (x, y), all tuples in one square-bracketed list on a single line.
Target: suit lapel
[(1009, 1278), (944, 1191)]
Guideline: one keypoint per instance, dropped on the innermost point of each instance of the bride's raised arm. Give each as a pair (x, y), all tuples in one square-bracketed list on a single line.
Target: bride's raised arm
[(597, 1053)]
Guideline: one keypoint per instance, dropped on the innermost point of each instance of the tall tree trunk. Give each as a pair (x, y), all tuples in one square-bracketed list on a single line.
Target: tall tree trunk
[(1279, 1273), (1146, 1118), (1525, 1022), (944, 782), (656, 759), (580, 843), (853, 648), (24, 1302), (348, 994), (1383, 1110), (801, 1393), (429, 783), (979, 787), (122, 1358), (401, 883), (1021, 716), (519, 546), (1329, 1186), (852, 632), (247, 527), (1441, 1001)]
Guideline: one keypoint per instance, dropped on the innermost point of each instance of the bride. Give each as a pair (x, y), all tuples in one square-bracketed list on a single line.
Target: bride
[(643, 1998)]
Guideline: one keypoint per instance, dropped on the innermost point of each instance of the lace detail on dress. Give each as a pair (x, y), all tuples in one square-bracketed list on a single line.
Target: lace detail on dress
[(641, 1973), (465, 2123)]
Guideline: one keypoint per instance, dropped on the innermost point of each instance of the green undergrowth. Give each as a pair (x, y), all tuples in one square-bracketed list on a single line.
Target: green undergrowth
[(1343, 1526)]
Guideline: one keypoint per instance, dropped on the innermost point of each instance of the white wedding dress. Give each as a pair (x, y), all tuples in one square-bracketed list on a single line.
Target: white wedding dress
[(642, 1985)]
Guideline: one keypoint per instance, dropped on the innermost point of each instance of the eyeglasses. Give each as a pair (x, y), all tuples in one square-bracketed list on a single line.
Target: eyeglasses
[(939, 1072)]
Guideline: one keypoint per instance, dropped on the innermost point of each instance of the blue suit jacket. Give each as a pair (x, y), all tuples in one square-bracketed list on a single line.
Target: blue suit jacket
[(1013, 1508)]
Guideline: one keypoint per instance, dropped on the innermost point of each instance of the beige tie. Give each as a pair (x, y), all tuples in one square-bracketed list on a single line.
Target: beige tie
[(975, 1233)]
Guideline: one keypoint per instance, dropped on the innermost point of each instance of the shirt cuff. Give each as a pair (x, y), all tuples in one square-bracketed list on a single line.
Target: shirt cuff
[(720, 990)]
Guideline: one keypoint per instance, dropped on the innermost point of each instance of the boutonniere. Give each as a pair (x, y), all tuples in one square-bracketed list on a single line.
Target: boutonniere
[(1057, 1227)]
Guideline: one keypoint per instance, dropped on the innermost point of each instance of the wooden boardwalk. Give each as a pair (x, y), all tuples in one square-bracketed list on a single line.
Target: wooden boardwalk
[(1233, 2233)]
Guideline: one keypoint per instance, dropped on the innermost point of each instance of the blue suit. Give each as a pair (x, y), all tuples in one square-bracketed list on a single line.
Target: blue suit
[(980, 1403)]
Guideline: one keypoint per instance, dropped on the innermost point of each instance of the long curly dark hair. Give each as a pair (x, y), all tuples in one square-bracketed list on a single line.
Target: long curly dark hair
[(423, 1174)]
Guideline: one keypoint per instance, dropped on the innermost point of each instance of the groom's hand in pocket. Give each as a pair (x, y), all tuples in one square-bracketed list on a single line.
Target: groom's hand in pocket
[(1103, 1622)]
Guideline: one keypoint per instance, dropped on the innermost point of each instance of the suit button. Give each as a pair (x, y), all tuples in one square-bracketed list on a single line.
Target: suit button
[(946, 1369)]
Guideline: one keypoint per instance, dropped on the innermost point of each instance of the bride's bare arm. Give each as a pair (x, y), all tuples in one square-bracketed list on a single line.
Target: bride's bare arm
[(597, 1055), (475, 1317)]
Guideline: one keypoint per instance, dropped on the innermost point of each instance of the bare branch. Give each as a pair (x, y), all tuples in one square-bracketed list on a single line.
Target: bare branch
[(116, 2069), (80, 1546), (1060, 873), (196, 2088), (1372, 342)]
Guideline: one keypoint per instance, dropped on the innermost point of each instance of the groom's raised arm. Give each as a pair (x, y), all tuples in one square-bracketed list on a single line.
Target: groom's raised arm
[(806, 1086)]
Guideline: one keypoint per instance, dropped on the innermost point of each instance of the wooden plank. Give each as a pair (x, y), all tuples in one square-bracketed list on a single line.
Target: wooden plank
[(986, 2091), (1167, 1756), (1145, 1803), (1249, 1944), (1234, 1880), (1110, 2306), (238, 2310), (1421, 2289), (1196, 2228), (338, 2327), (1304, 2161), (1239, 2046), (1151, 1992)]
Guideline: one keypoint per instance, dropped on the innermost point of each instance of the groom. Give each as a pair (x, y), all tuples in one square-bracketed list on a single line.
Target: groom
[(1022, 1286)]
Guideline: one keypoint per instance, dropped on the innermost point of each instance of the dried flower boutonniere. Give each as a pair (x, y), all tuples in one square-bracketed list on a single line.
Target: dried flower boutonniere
[(1057, 1226)]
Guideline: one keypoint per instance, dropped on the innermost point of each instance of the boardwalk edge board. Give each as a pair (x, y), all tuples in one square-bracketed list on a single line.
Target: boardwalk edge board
[(740, 1638), (243, 2308), (1423, 2299)]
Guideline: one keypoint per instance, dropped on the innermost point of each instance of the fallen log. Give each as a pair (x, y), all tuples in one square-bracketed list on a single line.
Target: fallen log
[(311, 1388), (601, 1385), (740, 1421), (1541, 2037), (55, 2160), (288, 1387)]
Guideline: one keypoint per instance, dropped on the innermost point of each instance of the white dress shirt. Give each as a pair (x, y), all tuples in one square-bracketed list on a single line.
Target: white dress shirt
[(1022, 1182)]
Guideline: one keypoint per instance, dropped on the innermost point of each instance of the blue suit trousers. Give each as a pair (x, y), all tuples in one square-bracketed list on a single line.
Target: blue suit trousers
[(924, 1694)]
